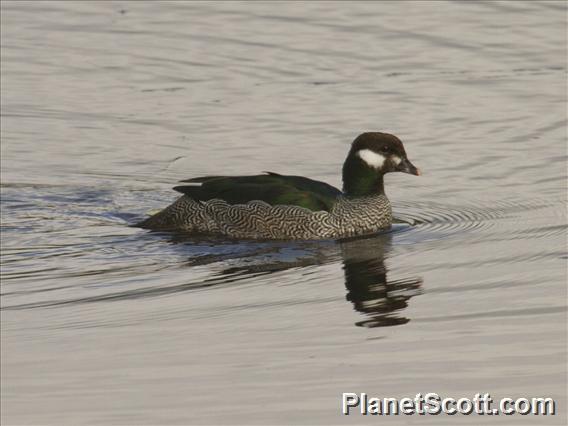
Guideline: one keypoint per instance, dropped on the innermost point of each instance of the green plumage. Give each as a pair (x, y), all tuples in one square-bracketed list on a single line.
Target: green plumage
[(271, 188)]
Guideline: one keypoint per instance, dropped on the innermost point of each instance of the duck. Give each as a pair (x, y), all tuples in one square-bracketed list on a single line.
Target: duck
[(286, 207)]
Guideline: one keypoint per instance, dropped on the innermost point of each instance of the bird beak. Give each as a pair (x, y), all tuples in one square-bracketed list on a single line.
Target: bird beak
[(406, 166)]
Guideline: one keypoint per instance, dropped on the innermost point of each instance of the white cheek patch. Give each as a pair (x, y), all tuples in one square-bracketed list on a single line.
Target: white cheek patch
[(396, 159), (371, 158)]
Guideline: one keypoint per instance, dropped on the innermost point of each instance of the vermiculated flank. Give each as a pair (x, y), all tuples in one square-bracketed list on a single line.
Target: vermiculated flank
[(258, 219)]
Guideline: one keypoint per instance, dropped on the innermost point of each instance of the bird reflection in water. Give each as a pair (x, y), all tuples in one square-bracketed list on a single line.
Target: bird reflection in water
[(380, 300)]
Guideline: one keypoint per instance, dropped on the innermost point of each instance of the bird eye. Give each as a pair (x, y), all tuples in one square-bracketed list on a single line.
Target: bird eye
[(384, 148)]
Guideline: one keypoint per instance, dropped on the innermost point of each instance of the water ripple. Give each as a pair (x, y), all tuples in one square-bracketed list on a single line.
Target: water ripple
[(442, 220)]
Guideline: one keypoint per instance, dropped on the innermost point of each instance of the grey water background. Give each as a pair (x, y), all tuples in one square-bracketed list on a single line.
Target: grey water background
[(106, 105)]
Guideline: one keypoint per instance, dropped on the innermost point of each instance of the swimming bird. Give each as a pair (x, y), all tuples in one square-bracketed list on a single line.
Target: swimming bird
[(275, 206)]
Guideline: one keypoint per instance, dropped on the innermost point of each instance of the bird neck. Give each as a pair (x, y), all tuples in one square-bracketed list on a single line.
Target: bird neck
[(360, 180)]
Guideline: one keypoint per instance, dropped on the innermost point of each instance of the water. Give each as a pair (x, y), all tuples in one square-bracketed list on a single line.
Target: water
[(106, 105)]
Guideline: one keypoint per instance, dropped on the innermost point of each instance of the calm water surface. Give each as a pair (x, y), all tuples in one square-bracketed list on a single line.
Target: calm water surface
[(105, 105)]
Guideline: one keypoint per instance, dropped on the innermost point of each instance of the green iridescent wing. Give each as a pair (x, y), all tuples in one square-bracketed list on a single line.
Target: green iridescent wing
[(271, 188)]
